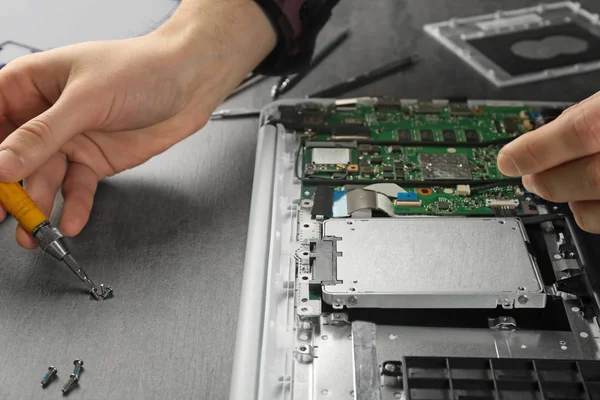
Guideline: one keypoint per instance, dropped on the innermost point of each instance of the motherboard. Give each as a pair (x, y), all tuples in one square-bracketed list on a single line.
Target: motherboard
[(425, 158)]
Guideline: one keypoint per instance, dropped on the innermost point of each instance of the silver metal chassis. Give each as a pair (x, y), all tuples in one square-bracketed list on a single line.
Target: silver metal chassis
[(281, 355)]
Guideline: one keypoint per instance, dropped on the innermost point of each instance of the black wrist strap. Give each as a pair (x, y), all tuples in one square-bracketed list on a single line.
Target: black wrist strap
[(297, 23)]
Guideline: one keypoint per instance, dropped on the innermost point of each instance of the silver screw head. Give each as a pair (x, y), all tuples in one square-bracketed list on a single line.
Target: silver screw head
[(523, 299), (390, 367)]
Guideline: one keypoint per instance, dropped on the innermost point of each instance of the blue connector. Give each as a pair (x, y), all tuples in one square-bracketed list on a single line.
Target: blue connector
[(407, 196)]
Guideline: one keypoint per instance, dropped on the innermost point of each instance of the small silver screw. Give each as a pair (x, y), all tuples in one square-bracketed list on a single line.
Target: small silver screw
[(78, 367), (94, 294), (523, 299), (390, 367), (352, 300), (107, 292), (71, 383), (50, 375)]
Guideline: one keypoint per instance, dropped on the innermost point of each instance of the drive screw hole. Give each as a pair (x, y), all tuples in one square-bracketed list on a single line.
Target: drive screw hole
[(305, 253), (305, 278), (501, 222), (353, 289), (302, 348), (306, 225), (304, 300), (304, 309)]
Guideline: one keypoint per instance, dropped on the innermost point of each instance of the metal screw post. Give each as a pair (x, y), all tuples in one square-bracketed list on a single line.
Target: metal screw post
[(49, 376)]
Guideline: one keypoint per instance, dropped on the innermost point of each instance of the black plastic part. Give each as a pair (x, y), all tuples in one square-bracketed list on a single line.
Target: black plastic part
[(551, 318), (351, 130), (540, 250), (323, 201), (496, 378), (573, 285)]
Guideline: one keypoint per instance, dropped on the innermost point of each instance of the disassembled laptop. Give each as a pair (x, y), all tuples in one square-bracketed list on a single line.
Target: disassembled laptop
[(403, 265)]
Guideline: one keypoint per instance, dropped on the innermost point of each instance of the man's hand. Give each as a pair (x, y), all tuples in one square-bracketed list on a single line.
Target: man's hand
[(91, 110), (561, 161)]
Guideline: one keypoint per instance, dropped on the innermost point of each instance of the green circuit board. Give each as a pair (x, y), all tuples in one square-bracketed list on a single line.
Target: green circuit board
[(387, 122), (443, 157)]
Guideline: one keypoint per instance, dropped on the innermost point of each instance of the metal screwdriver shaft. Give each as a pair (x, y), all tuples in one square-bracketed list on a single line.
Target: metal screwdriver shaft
[(53, 242)]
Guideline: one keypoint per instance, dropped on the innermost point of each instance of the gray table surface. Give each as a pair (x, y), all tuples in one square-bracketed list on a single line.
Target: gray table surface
[(170, 235)]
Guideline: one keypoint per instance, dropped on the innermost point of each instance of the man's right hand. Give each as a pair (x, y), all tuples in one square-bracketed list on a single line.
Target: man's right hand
[(561, 161), (91, 110)]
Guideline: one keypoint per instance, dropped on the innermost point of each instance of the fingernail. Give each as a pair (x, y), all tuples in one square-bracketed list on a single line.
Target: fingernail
[(507, 165), (10, 166)]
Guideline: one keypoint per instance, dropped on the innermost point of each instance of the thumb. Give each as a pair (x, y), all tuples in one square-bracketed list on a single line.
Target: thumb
[(31, 145)]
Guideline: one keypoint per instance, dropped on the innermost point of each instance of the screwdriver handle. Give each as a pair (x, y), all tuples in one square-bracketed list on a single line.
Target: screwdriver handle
[(18, 203)]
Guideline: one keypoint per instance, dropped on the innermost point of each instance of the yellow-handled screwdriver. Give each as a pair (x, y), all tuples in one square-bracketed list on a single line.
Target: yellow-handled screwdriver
[(18, 203)]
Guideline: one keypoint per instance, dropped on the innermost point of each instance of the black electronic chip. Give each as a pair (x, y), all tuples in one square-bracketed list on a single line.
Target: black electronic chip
[(385, 106), (471, 135), (404, 135), (351, 130), (366, 170), (388, 168), (376, 160), (443, 206), (353, 121), (510, 125), (363, 162), (366, 148), (388, 175), (426, 135), (396, 148), (498, 127), (449, 135)]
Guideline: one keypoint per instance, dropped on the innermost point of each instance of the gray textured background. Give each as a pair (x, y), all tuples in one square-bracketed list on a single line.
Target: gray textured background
[(169, 236)]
